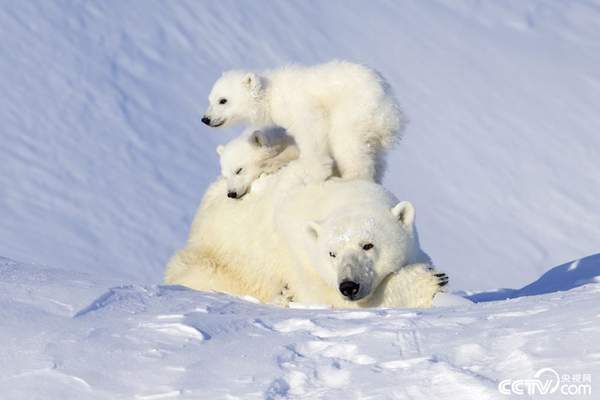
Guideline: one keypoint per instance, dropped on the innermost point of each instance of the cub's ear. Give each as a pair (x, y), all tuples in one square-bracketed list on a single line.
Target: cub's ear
[(314, 229), (251, 81), (258, 138), (220, 149), (405, 213)]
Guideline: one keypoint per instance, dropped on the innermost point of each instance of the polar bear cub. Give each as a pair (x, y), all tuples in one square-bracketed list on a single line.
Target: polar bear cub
[(337, 112), (254, 153)]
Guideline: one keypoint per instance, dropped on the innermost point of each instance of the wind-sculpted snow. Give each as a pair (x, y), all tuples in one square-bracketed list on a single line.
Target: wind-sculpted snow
[(104, 159), (155, 342), (564, 277)]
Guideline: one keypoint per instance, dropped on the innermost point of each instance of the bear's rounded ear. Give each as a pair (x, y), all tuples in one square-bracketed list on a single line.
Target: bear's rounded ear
[(405, 213), (251, 81), (314, 229), (258, 138), (220, 149)]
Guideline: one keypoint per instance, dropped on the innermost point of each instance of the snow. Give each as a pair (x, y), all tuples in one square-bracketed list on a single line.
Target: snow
[(155, 342), (103, 161), (104, 156)]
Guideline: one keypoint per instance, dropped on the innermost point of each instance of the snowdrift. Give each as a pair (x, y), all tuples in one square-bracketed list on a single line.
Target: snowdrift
[(68, 336)]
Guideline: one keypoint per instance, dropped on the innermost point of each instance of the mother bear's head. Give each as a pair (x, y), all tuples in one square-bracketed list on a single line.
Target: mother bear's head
[(358, 247)]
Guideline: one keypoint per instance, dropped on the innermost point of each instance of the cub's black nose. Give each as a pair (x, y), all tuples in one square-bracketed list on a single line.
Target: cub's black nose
[(349, 289), (232, 195), (206, 120)]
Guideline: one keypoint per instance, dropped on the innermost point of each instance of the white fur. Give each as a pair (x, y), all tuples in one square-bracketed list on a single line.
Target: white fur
[(232, 247), (337, 111), (261, 245), (254, 153), (326, 239)]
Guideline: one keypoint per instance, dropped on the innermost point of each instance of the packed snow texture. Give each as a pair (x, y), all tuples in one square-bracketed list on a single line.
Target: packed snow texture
[(104, 158), (64, 337)]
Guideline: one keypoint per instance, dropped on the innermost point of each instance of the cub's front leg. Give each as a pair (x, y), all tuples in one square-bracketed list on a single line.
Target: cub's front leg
[(310, 131)]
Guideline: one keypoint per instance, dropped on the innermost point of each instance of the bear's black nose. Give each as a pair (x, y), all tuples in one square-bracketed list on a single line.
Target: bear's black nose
[(349, 289), (232, 195), (206, 120)]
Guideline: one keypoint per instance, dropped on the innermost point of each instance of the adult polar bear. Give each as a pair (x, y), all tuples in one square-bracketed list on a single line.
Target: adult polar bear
[(337, 111), (354, 245), (258, 245)]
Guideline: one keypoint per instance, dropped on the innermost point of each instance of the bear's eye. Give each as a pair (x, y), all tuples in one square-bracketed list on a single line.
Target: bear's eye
[(331, 254), (239, 171), (222, 101), (367, 246)]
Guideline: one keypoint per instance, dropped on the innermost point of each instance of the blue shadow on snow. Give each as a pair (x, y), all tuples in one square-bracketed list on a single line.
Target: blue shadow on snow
[(564, 277)]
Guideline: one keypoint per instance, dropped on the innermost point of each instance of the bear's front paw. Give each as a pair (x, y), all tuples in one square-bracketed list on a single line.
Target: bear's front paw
[(284, 298)]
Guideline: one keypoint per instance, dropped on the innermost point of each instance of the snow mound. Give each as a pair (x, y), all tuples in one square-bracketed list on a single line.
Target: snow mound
[(67, 336)]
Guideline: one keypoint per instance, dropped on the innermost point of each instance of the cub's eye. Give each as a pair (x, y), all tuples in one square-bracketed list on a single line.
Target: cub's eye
[(222, 101), (367, 246), (331, 254), (239, 171)]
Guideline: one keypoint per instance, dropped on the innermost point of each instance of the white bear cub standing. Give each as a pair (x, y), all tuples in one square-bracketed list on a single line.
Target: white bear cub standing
[(337, 112), (252, 154)]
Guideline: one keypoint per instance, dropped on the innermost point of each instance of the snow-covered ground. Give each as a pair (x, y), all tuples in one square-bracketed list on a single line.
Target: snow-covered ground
[(103, 160), (66, 336)]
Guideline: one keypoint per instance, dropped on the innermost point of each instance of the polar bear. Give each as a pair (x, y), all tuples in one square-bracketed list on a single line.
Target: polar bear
[(254, 153), (337, 112), (242, 246), (357, 236), (232, 246)]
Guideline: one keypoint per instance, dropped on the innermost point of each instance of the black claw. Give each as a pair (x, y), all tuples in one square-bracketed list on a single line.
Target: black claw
[(443, 279)]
